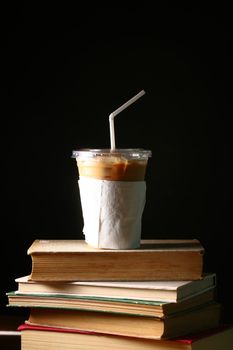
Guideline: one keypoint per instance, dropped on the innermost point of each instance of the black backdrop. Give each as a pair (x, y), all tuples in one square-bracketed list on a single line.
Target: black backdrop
[(65, 69)]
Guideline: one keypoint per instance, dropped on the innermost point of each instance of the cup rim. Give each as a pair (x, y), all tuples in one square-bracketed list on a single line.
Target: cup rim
[(129, 153)]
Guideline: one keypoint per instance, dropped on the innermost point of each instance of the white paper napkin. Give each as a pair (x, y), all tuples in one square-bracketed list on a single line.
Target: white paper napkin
[(112, 212)]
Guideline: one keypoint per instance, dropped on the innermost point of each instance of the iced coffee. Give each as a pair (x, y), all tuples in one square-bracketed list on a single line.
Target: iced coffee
[(119, 165), (112, 192)]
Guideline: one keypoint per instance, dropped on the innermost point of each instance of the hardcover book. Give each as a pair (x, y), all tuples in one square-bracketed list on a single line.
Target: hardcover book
[(165, 291), (197, 319), (40, 338), (75, 260), (117, 305)]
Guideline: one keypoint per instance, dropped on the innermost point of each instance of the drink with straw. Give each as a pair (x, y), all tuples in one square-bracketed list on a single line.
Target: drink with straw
[(112, 191)]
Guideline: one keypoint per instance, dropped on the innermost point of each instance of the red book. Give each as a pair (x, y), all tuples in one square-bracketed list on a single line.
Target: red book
[(52, 338)]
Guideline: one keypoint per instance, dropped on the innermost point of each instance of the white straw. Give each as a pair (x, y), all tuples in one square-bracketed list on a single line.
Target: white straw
[(117, 111)]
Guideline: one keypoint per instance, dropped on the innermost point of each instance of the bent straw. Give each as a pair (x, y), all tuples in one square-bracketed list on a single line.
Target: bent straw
[(117, 111)]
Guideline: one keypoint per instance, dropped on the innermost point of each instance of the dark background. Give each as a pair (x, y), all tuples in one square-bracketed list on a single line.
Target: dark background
[(64, 70)]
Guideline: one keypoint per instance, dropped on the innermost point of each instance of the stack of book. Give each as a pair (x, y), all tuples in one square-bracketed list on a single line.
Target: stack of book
[(155, 297)]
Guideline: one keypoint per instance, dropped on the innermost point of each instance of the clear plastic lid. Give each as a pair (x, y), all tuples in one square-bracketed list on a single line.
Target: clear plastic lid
[(127, 153)]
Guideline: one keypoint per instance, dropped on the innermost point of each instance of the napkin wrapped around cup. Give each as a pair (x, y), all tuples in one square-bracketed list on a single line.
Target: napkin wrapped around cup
[(112, 212)]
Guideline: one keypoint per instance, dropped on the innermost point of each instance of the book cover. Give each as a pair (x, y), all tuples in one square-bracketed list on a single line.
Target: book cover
[(40, 338), (198, 319), (72, 260), (164, 291)]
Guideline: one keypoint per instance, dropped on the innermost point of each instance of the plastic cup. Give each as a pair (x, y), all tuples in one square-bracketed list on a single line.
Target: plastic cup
[(117, 165), (112, 191)]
